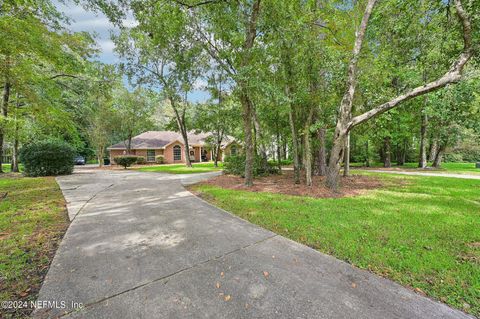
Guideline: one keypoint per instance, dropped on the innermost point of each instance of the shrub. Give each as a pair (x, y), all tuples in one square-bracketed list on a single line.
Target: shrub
[(141, 160), (159, 159), (47, 158), (125, 160), (463, 155), (235, 165), (453, 157), (283, 162)]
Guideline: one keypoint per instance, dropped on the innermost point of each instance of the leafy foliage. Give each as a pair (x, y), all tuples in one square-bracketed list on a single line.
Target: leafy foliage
[(235, 165), (47, 158), (125, 160), (141, 160)]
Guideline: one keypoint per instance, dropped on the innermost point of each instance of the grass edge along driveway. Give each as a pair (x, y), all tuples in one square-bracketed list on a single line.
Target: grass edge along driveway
[(421, 232), (33, 220), (182, 169)]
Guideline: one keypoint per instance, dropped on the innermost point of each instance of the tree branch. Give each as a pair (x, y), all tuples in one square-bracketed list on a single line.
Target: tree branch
[(198, 4), (452, 76)]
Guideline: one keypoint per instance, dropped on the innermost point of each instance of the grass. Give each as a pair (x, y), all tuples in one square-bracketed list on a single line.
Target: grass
[(8, 168), (33, 220), (422, 232), (182, 169), (457, 168)]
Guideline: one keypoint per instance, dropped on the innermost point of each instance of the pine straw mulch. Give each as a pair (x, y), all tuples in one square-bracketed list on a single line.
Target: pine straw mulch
[(283, 184)]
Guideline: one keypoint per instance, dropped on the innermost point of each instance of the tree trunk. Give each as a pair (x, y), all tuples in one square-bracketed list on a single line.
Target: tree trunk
[(279, 147), (422, 161), (296, 155), (218, 147), (180, 118), (188, 163), (308, 149), (387, 151), (245, 100), (345, 112), (367, 155), (247, 126), (346, 161), (437, 162), (215, 160), (433, 149), (402, 153), (4, 112), (100, 156), (15, 167), (321, 165)]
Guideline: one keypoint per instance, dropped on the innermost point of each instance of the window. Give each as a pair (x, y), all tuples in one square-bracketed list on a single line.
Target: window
[(150, 155), (233, 150), (177, 153)]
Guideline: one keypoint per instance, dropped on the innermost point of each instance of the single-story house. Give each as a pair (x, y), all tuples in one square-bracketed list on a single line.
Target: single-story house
[(170, 145)]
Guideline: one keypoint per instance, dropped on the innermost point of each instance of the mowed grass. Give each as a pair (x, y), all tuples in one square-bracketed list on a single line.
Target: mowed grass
[(182, 169), (8, 168), (423, 232), (456, 168), (33, 220)]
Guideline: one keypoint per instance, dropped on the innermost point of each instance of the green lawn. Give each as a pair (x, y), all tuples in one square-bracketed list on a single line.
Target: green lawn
[(182, 169), (458, 168), (422, 232), (33, 220), (7, 167)]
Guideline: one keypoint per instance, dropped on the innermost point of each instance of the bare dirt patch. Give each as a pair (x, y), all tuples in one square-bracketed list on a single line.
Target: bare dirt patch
[(283, 184)]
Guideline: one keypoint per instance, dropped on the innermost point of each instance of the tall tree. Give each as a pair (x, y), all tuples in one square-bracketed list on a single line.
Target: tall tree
[(134, 113), (346, 122)]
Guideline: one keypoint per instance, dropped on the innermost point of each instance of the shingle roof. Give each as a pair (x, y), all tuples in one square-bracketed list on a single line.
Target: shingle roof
[(159, 139)]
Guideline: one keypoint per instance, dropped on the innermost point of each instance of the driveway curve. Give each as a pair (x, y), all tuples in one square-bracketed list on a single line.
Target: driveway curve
[(141, 246)]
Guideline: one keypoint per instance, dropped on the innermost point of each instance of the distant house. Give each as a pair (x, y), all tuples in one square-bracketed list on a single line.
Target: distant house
[(170, 145)]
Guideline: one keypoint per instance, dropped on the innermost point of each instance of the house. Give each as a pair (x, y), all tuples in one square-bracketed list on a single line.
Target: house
[(170, 145)]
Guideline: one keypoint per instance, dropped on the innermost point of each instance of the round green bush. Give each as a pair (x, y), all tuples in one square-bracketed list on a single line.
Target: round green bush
[(141, 160), (47, 158), (159, 159), (125, 160)]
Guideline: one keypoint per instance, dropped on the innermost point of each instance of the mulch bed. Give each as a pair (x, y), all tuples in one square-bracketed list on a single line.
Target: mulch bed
[(283, 184)]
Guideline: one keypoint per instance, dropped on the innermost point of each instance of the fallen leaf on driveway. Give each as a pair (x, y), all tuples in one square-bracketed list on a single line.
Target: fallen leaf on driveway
[(217, 285), (420, 291), (227, 298), (266, 274), (354, 285), (222, 274)]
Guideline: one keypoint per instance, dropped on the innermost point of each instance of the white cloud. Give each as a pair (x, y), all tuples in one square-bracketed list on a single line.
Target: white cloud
[(107, 46)]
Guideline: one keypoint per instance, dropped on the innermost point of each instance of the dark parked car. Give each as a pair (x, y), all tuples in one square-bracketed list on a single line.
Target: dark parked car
[(79, 160)]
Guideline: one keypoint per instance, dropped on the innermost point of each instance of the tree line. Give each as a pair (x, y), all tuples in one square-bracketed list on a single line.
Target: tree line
[(320, 82), (322, 69)]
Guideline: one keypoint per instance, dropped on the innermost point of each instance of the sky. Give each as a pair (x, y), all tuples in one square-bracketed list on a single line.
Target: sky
[(99, 25)]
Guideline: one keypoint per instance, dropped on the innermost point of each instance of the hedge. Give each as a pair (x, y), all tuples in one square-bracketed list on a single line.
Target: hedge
[(47, 158), (159, 159)]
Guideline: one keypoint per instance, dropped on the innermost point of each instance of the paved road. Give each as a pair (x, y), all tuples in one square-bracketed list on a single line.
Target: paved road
[(141, 246)]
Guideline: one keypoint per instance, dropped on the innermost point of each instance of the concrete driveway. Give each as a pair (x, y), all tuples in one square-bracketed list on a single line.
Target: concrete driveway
[(141, 246)]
